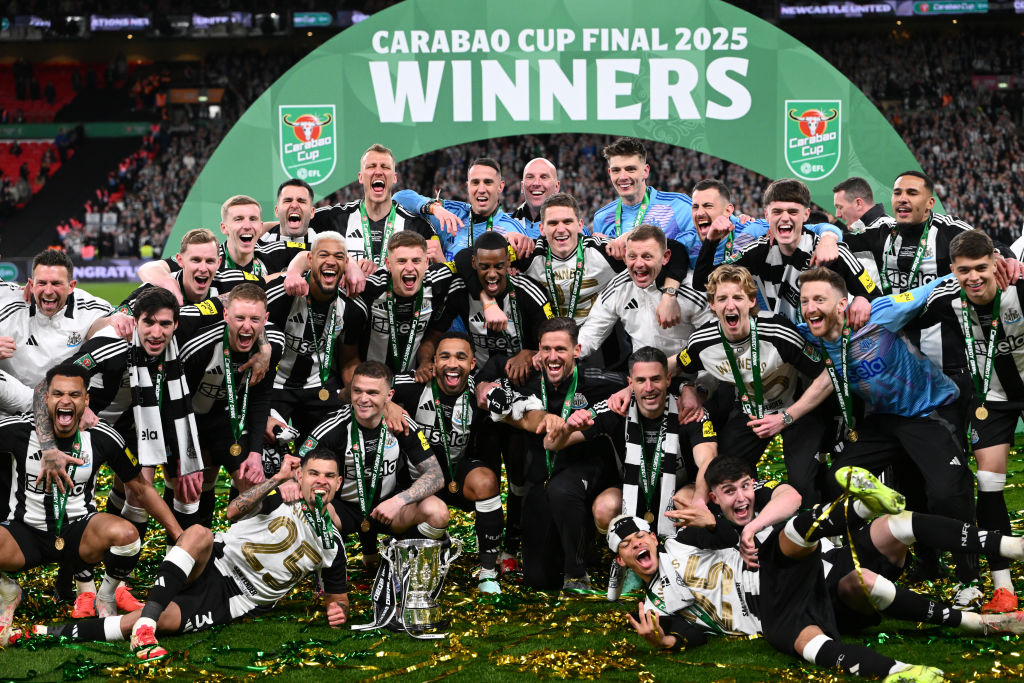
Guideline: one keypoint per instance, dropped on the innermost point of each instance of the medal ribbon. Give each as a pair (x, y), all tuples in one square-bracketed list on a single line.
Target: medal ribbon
[(356, 438), (330, 324), (566, 409), (842, 386), (981, 383), (730, 238), (490, 226), (237, 416), (319, 520), (647, 482), (439, 411), (389, 227), (517, 322), (640, 213), (60, 500), (887, 287), (406, 355), (574, 287), (257, 267), (755, 408)]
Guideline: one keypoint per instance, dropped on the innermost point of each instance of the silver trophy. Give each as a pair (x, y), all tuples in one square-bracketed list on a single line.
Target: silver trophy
[(408, 584)]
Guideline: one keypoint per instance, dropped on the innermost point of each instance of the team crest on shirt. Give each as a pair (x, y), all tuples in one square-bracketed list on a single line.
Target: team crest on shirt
[(579, 401), (1010, 316), (390, 441), (74, 339), (866, 345)]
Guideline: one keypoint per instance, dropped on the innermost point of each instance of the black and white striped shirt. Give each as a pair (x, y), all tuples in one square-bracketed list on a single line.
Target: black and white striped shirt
[(417, 399), (273, 257), (776, 274), (300, 364), (223, 282), (20, 455), (369, 327), (785, 355), (346, 220)]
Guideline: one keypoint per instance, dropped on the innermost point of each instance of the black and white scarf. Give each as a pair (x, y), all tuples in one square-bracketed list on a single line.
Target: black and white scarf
[(632, 494), (149, 411)]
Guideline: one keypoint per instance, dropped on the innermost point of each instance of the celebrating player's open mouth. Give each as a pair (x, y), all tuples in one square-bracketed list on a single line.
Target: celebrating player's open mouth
[(492, 283), (641, 274), (379, 188), (247, 238), (453, 377), (156, 343), (731, 321), (408, 282), (49, 303), (328, 277)]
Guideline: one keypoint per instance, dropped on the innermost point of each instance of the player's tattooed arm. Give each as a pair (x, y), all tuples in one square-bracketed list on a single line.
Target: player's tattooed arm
[(429, 482), (44, 429), (250, 499), (53, 463)]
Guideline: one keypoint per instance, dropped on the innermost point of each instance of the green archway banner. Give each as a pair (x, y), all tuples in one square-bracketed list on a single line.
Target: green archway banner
[(428, 74)]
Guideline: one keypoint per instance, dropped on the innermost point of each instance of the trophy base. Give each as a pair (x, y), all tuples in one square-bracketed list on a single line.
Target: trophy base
[(424, 620)]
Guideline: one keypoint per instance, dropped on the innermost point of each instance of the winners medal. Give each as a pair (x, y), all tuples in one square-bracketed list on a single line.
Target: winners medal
[(324, 394), (442, 427), (323, 346), (236, 412), (982, 379), (60, 500), (852, 436), (649, 517), (357, 449), (365, 526), (841, 384), (453, 487)]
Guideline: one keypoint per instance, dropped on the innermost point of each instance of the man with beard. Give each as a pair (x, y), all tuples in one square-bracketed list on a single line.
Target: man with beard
[(231, 414), (122, 374), (53, 519), (763, 356), (776, 260), (242, 225), (635, 296), (445, 408), (458, 224), (314, 322), (402, 312), (374, 460), (46, 330), (211, 579), (560, 485), (899, 409), (294, 211), (802, 591)]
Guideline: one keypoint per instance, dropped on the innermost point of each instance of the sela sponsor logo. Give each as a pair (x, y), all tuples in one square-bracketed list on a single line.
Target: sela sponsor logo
[(1010, 344), (866, 369), (308, 141), (812, 137)]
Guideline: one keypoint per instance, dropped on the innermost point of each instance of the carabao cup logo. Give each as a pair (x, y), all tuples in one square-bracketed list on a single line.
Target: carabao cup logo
[(812, 137), (308, 136)]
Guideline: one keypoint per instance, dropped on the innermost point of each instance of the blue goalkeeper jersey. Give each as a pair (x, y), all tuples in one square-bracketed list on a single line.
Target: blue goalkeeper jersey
[(452, 244), (670, 211), (884, 372)]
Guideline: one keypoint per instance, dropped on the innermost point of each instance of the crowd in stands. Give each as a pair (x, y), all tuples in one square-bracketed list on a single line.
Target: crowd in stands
[(962, 135)]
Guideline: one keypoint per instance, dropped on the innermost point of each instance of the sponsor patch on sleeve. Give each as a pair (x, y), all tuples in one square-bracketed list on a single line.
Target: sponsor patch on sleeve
[(423, 440), (131, 456), (86, 362), (811, 352), (308, 445), (708, 429), (684, 358), (547, 311), (250, 276), (904, 298), (866, 280), (207, 307), (295, 245)]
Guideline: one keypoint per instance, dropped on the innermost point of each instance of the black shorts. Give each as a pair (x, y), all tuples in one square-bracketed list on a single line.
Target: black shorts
[(794, 595), (462, 470), (351, 518), (839, 563), (217, 439), (206, 601), (304, 408), (999, 427), (38, 546)]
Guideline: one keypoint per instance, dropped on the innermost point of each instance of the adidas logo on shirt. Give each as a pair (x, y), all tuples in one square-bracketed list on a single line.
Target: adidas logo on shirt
[(297, 318), (428, 406), (31, 342), (632, 305)]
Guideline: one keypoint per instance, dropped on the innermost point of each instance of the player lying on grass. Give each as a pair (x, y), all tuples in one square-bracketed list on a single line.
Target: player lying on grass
[(208, 579), (699, 584)]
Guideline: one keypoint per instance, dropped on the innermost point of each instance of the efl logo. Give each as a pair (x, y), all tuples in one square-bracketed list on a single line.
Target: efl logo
[(308, 136), (812, 137)]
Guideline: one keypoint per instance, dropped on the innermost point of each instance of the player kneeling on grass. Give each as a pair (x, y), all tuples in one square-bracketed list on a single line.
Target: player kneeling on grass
[(792, 599), (208, 579)]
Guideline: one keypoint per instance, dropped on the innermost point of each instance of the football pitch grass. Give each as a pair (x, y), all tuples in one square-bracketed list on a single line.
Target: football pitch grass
[(521, 634)]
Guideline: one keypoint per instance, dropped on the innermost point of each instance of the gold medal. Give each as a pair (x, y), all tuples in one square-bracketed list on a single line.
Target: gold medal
[(235, 449), (324, 394), (981, 413), (453, 487), (649, 516), (851, 436), (59, 543), (365, 526)]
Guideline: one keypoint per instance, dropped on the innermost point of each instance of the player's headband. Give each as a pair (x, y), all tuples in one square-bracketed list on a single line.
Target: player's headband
[(621, 527)]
